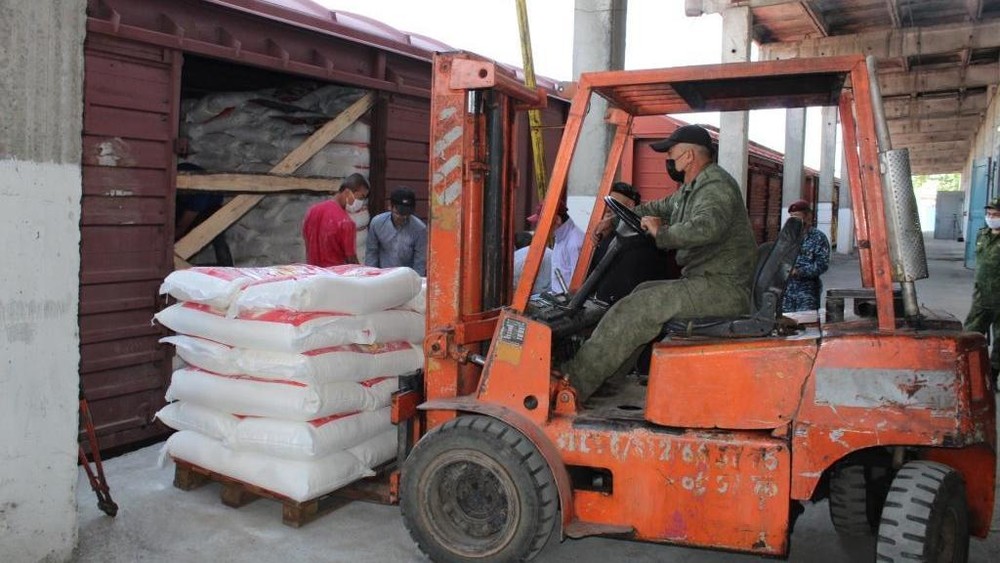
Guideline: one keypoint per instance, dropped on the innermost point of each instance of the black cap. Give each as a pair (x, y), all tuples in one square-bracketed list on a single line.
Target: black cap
[(994, 204), (694, 134), (404, 200)]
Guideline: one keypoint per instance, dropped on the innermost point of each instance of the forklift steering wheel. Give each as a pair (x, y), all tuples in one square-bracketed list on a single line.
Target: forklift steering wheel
[(626, 215)]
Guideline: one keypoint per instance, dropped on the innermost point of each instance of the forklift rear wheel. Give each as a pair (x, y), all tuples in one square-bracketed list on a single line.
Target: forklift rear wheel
[(476, 489), (857, 494), (926, 516)]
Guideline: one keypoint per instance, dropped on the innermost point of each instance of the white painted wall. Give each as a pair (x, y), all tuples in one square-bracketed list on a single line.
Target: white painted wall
[(39, 224), (41, 92)]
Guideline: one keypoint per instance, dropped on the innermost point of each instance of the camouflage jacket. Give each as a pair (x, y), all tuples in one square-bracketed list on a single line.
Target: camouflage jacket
[(706, 222), (805, 288), (987, 288)]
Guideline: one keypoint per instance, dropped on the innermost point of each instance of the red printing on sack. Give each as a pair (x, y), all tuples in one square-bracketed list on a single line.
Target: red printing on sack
[(374, 381), (317, 422), (250, 378), (282, 316), (372, 349)]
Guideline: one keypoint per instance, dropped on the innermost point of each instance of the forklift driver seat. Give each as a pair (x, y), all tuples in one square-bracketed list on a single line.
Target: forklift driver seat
[(774, 265)]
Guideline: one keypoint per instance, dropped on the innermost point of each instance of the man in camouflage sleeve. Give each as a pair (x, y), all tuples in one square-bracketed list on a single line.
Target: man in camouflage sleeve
[(984, 316), (706, 222), (804, 286)]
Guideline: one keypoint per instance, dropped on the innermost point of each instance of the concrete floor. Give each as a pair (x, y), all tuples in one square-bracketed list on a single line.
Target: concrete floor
[(157, 522)]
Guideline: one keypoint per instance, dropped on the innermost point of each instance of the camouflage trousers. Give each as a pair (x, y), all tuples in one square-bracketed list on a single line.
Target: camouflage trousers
[(638, 318), (986, 319)]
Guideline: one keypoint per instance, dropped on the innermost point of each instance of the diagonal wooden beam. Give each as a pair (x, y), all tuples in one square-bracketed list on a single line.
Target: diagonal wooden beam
[(241, 204)]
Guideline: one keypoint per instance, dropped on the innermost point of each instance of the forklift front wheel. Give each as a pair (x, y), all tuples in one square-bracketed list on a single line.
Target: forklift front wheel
[(926, 516), (476, 489)]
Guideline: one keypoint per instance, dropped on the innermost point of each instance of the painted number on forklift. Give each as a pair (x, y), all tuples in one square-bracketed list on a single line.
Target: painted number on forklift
[(513, 331)]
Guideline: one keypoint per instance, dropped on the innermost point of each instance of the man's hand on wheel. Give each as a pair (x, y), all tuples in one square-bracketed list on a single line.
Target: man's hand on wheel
[(603, 228), (651, 224)]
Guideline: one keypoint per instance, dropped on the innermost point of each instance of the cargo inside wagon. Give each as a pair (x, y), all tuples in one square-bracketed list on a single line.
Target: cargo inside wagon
[(237, 127)]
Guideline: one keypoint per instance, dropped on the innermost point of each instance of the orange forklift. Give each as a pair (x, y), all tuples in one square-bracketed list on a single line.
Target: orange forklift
[(889, 413)]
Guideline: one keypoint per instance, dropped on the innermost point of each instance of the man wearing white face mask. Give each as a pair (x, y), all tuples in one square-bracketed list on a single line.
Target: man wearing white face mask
[(984, 315), (328, 230)]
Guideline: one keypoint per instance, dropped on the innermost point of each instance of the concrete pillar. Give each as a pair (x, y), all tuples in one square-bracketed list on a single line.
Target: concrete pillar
[(598, 44), (827, 163), (845, 214), (734, 125), (41, 104), (795, 139)]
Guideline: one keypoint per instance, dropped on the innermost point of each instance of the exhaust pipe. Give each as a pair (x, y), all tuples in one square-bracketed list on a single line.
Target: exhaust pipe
[(906, 240)]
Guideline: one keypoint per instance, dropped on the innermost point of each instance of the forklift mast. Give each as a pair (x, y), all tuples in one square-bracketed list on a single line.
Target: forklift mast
[(473, 107)]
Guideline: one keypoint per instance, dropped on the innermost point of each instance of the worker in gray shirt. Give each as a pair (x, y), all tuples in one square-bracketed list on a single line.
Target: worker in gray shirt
[(397, 238)]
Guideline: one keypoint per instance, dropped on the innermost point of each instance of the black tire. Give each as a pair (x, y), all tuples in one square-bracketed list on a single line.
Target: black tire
[(849, 501), (857, 494), (926, 516), (475, 489)]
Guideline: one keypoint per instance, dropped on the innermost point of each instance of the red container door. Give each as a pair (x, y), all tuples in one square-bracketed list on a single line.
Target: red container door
[(130, 123), (400, 145)]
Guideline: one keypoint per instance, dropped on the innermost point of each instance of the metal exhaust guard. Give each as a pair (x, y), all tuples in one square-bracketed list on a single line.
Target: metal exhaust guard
[(907, 255)]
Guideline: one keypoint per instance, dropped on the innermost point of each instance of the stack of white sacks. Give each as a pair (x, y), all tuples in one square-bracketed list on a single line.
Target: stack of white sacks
[(289, 371)]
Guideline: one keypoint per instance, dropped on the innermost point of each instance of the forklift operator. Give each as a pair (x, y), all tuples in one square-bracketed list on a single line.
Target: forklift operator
[(707, 223)]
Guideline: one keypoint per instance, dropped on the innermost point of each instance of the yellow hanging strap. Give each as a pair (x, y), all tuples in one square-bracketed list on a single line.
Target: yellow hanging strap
[(534, 115)]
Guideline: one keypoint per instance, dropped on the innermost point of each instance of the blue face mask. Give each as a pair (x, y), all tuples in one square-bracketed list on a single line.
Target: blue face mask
[(993, 222)]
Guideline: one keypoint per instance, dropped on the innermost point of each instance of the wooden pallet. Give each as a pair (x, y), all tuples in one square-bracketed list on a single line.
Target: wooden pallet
[(236, 493)]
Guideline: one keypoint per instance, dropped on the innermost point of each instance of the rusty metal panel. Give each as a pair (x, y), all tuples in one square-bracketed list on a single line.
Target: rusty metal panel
[(870, 390), (126, 229), (725, 490), (406, 149)]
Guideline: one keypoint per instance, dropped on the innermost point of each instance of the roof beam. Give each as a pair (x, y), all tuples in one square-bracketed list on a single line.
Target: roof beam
[(816, 18), (911, 139), (935, 125), (945, 153), (975, 9), (892, 43), (951, 105), (893, 9), (934, 148), (939, 80), (943, 167)]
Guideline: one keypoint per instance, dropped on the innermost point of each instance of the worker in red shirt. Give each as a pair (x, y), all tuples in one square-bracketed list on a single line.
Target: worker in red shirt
[(328, 230)]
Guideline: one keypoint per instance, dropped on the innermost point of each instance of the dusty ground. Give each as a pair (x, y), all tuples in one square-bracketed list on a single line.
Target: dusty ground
[(160, 523)]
